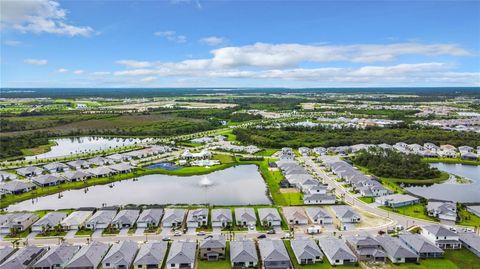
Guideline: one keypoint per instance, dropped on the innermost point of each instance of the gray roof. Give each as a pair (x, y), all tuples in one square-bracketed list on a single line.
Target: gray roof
[(294, 213), (122, 253), (182, 252), (245, 214), (102, 216), (395, 247), (100, 171), (344, 211), (335, 248), (126, 216), (89, 255), (419, 244), (29, 169), (77, 217), (193, 214), (22, 258), (51, 219), (472, 240), (174, 214), (54, 166), (306, 249), (317, 212), (219, 214), (16, 185), (5, 252), (151, 253), (77, 174), (243, 251), (57, 255), (121, 167), (273, 250), (47, 179), (151, 215), (214, 241), (439, 230), (268, 213), (78, 163)]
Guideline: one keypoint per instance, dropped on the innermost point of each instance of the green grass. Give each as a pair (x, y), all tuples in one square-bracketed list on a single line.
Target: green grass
[(52, 234), (267, 152), (368, 200), (23, 234), (451, 160), (224, 158), (463, 259), (84, 232), (417, 211), (220, 264), (38, 150), (466, 218), (443, 176)]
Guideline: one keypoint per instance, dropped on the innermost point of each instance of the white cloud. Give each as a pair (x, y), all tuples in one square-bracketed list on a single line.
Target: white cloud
[(148, 79), (38, 16), (62, 70), (36, 61), (196, 2), (78, 72), (13, 43), (213, 40), (134, 64), (171, 36), (101, 73)]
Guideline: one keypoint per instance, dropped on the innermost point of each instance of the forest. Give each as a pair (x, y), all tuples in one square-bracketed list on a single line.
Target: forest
[(393, 164)]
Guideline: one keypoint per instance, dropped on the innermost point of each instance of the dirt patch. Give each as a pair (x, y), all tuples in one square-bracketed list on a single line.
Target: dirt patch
[(289, 190)]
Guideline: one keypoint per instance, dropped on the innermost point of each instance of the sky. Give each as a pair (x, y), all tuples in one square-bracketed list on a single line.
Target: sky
[(196, 43)]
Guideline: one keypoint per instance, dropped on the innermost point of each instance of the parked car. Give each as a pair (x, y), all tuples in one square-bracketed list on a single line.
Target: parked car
[(271, 231), (177, 233), (262, 236), (201, 233), (166, 238)]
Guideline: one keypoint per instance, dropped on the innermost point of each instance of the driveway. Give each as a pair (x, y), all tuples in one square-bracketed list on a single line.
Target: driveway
[(216, 230), (32, 235), (71, 234), (123, 231), (139, 231), (97, 233)]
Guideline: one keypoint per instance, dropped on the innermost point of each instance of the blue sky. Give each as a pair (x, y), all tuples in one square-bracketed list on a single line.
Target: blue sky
[(192, 43)]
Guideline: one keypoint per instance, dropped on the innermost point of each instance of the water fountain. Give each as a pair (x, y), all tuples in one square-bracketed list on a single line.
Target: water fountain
[(205, 182)]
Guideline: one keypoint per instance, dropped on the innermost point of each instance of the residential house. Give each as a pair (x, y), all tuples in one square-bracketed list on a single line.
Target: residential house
[(318, 216), (442, 210), (5, 253), (76, 175), (245, 216), (197, 218), (99, 161), (4, 176), (24, 258), (150, 218), (29, 171), (150, 255), (49, 221), (221, 217), (56, 257), (181, 255), (56, 167), (397, 251), (269, 217), (243, 254), (18, 222), (120, 255), (421, 246), (213, 247), (367, 248), (125, 218), (474, 209), (48, 180), (173, 217), (441, 237), (336, 251), (295, 215), (306, 251), (471, 242), (346, 215), (119, 157), (79, 164), (76, 220), (122, 168), (397, 200), (89, 256), (319, 199), (102, 171), (16, 187), (274, 254), (101, 219)]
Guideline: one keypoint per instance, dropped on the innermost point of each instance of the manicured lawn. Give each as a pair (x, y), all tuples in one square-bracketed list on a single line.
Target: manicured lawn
[(367, 200), (467, 218), (18, 235), (52, 233), (463, 259), (417, 211), (224, 158), (84, 232), (220, 264), (267, 152)]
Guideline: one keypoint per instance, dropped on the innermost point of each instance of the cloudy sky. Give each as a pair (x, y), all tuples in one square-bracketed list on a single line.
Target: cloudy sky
[(195, 43)]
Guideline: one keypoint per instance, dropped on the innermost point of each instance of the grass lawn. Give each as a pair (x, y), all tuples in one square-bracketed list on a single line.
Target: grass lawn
[(463, 259), (467, 218), (52, 233), (220, 264), (23, 234), (368, 200), (38, 150), (224, 158), (84, 232), (267, 152), (451, 160), (417, 211)]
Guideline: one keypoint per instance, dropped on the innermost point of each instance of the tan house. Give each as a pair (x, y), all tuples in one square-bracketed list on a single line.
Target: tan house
[(213, 248)]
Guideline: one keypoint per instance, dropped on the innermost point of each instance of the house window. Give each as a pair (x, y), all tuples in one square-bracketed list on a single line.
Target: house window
[(107, 264)]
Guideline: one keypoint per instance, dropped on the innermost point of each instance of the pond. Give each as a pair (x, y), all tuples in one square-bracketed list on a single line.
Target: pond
[(463, 193), (240, 185), (75, 145)]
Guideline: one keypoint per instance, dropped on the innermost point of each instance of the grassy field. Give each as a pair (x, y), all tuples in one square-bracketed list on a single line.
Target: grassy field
[(451, 160), (416, 211), (463, 259), (267, 152), (38, 150), (468, 219), (367, 200)]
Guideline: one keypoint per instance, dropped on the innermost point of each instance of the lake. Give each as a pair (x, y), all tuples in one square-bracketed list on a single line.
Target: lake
[(463, 193), (240, 185), (75, 145)]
